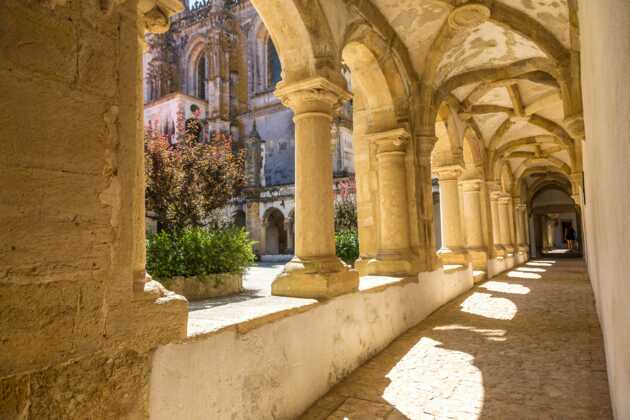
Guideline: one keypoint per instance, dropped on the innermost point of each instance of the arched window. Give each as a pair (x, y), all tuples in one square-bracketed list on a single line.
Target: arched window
[(275, 69), (201, 77)]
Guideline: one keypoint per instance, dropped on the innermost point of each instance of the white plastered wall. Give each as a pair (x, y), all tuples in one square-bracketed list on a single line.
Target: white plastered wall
[(279, 369), (605, 49)]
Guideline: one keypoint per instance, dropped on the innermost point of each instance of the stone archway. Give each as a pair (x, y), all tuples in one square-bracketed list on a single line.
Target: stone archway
[(553, 213), (275, 232)]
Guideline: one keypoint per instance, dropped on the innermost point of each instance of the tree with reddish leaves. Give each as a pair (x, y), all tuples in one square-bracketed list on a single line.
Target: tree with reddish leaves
[(188, 181), (346, 206)]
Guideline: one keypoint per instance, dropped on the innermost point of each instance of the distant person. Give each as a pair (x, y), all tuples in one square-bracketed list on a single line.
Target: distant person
[(571, 237), (194, 126)]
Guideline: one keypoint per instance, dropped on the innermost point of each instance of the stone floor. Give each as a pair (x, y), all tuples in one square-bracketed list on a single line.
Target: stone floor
[(526, 344)]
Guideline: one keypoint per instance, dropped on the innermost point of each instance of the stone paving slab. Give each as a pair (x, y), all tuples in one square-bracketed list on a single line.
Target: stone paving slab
[(515, 347)]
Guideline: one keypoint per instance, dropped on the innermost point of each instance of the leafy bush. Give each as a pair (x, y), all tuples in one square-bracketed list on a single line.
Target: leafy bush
[(197, 251), (347, 245)]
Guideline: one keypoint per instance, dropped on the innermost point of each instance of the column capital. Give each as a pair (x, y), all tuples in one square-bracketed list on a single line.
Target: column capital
[(505, 198), (313, 95), (493, 186), (448, 173), (471, 185), (425, 143), (395, 140)]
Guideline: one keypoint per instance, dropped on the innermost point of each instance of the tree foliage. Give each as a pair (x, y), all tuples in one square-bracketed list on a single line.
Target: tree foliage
[(346, 207), (346, 225), (187, 181)]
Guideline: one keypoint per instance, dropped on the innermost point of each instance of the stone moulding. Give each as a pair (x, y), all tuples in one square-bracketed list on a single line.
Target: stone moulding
[(205, 286)]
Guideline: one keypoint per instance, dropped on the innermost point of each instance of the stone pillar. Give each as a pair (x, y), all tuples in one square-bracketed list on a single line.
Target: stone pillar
[(473, 227), (315, 271), (254, 225), (499, 250), (504, 224), (453, 243), (521, 228), (288, 230), (424, 202), (549, 231), (154, 18), (512, 222), (394, 254)]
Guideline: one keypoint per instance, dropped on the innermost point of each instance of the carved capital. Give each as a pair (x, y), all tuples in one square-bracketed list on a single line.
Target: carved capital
[(471, 185), (314, 95), (425, 145), (390, 141), (505, 199), (448, 173)]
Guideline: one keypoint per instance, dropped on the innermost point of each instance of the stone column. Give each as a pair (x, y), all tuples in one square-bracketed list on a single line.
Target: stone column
[(254, 224), (520, 228), (394, 254), (153, 18), (473, 223), (504, 223), (424, 202), (315, 271), (263, 238), (499, 249), (289, 233), (453, 243), (526, 225), (512, 222)]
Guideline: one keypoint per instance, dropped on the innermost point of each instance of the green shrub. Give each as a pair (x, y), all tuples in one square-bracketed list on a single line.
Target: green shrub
[(198, 251), (347, 245)]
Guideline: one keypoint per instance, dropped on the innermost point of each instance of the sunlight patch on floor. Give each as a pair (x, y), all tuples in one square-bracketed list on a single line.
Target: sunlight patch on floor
[(524, 275), (541, 263), (559, 251), (499, 286), (483, 304), (531, 269), (419, 385)]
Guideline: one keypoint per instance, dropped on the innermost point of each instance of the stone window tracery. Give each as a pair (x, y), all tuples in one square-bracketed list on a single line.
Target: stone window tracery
[(274, 70)]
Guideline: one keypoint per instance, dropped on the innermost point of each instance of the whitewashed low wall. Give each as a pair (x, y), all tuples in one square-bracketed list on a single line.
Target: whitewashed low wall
[(278, 369)]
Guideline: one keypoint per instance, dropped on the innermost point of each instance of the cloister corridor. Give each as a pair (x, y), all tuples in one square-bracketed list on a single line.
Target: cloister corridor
[(526, 344)]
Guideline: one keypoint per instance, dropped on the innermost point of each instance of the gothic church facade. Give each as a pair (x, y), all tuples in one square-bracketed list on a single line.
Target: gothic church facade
[(219, 56)]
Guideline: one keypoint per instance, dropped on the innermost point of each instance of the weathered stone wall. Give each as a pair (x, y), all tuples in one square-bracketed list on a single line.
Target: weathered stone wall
[(74, 336), (605, 44)]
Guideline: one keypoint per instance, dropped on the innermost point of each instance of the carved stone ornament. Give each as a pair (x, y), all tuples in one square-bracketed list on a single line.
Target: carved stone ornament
[(468, 16)]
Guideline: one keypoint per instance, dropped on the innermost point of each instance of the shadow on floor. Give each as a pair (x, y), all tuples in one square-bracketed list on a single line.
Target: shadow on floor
[(526, 344)]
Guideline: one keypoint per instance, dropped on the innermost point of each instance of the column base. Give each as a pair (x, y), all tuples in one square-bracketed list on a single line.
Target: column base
[(399, 266), (499, 251), (453, 256), (479, 258), (523, 249), (317, 278), (509, 250)]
